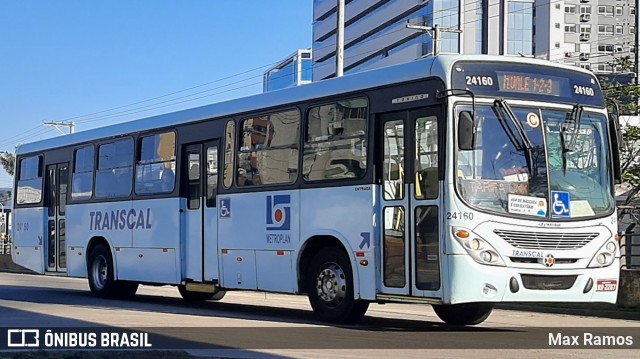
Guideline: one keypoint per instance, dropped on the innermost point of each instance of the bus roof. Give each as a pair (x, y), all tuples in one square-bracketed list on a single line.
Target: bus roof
[(430, 66)]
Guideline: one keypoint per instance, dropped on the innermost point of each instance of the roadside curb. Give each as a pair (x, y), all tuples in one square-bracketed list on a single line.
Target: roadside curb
[(587, 310)]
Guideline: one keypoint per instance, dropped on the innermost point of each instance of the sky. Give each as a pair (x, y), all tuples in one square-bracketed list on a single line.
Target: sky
[(102, 62)]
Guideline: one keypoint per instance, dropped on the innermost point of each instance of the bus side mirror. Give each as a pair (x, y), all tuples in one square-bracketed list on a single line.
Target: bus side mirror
[(616, 142), (466, 131)]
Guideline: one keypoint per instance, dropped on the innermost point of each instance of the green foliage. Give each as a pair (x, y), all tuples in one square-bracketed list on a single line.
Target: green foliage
[(8, 162), (626, 95), (630, 155)]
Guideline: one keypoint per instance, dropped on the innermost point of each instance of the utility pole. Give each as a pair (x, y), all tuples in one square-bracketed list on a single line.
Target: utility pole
[(340, 38), (436, 34), (58, 124)]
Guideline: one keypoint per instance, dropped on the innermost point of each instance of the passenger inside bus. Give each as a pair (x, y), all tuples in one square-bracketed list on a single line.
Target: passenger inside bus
[(242, 179), (167, 179)]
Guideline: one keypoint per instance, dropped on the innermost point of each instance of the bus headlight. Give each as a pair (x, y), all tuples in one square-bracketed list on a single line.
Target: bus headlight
[(605, 256), (478, 248)]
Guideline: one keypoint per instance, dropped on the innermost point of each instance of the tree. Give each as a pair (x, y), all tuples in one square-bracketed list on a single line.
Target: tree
[(8, 162), (623, 90)]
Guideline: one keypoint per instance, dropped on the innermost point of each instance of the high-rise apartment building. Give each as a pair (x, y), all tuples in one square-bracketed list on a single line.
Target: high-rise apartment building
[(596, 32)]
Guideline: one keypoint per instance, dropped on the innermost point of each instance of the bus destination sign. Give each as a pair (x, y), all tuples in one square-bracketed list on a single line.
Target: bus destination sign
[(540, 83), (534, 84)]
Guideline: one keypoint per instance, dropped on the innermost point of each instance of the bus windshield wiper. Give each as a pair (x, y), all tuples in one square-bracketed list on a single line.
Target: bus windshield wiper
[(574, 117), (503, 112)]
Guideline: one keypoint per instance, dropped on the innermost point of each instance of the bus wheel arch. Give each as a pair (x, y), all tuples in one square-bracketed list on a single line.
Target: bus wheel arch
[(327, 276), (101, 272)]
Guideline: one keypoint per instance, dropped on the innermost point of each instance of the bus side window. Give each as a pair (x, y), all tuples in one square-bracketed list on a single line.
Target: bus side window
[(268, 149), (82, 177), (156, 163), (212, 175), (426, 158), (336, 141)]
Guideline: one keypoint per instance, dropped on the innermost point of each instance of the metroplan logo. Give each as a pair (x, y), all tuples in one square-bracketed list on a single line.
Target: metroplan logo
[(279, 212)]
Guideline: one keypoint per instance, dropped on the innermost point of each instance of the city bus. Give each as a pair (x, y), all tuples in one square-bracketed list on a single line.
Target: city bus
[(457, 181)]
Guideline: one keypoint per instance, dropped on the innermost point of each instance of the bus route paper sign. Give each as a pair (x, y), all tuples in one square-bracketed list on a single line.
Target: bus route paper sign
[(532, 206)]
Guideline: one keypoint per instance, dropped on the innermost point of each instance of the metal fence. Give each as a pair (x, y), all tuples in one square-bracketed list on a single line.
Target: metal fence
[(630, 248)]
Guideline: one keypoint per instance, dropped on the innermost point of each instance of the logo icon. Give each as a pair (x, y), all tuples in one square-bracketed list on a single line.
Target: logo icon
[(560, 204), (549, 260), (279, 212), (225, 208), (23, 338)]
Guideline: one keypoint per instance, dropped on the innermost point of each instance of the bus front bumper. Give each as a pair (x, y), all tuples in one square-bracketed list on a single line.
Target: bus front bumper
[(474, 282)]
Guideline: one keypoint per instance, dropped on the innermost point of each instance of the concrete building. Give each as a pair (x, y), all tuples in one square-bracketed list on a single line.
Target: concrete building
[(294, 70), (585, 33), (595, 32)]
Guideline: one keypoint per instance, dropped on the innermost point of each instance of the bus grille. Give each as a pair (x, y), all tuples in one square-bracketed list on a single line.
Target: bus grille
[(548, 282), (537, 240)]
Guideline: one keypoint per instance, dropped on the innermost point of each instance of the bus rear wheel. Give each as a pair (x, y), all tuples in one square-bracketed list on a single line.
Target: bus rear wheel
[(190, 296), (102, 278), (329, 284), (463, 314)]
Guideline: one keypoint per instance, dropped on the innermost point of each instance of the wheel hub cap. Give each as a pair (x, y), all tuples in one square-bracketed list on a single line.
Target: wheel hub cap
[(331, 284)]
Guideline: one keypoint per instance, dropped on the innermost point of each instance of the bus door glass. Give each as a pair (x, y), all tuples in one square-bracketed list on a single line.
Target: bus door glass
[(57, 181), (410, 203), (200, 242)]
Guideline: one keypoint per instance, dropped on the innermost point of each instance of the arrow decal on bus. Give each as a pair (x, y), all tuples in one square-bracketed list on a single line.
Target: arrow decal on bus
[(366, 239)]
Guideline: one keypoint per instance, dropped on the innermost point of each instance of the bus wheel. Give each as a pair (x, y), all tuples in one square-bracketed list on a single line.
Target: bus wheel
[(330, 288), (463, 314), (199, 296), (125, 289), (219, 295), (101, 277)]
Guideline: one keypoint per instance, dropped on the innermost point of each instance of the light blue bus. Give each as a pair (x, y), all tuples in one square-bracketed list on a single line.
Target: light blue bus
[(456, 181)]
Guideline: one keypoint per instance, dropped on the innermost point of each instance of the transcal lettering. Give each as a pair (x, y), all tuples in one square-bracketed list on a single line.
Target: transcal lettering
[(120, 220)]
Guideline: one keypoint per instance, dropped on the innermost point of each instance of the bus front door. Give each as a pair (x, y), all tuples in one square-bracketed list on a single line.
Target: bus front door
[(411, 202), (56, 247), (200, 243)]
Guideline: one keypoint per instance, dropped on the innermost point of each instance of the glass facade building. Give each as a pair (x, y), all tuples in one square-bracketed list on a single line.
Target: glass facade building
[(519, 28), (295, 70)]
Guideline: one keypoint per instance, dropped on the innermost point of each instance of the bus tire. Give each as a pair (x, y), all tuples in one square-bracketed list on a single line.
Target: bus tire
[(100, 273), (219, 295), (125, 289), (329, 285), (463, 314), (199, 296)]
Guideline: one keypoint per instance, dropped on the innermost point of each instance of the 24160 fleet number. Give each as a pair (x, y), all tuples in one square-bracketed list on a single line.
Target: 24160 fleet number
[(460, 215), (479, 80), (583, 90)]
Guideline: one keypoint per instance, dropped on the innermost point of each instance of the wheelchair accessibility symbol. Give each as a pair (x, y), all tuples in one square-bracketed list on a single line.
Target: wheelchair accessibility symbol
[(560, 204), (225, 208)]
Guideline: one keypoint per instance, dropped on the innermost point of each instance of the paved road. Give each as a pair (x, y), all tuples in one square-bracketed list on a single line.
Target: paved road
[(260, 325)]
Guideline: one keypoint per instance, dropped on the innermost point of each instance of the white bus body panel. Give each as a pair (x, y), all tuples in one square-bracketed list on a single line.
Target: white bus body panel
[(274, 271), (29, 238), (248, 228), (150, 226), (152, 265), (348, 214)]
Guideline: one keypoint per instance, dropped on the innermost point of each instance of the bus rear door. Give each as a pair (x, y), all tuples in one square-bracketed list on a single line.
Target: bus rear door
[(55, 244), (200, 243)]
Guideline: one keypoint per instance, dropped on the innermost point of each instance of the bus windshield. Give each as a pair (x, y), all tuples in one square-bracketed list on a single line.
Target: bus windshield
[(535, 162)]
